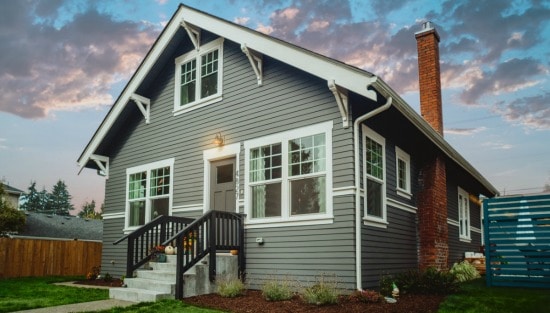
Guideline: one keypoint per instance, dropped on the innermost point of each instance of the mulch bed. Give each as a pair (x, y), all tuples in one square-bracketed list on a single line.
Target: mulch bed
[(100, 282), (252, 302)]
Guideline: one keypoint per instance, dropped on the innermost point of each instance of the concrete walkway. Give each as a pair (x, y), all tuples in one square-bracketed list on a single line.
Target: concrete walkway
[(84, 306)]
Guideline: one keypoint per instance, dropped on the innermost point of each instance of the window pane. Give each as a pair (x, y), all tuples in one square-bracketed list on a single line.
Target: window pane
[(374, 198), (265, 163), (224, 173), (209, 74), (402, 174), (137, 213), (307, 155), (137, 185), (266, 200), (160, 181), (308, 195), (188, 82), (374, 159), (159, 207)]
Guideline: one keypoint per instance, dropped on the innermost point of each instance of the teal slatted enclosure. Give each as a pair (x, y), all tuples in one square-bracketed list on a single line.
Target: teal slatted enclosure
[(517, 241)]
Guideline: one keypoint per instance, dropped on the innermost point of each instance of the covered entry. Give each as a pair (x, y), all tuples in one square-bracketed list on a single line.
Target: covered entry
[(517, 241)]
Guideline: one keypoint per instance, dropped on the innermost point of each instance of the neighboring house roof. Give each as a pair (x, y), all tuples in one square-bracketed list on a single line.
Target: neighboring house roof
[(61, 227), (334, 72), (12, 190)]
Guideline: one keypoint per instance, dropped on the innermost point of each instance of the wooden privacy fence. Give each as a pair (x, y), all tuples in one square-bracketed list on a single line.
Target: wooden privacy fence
[(38, 257), (517, 241)]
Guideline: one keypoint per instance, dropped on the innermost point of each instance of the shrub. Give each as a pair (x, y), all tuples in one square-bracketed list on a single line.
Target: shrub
[(324, 291), (430, 281), (277, 290), (464, 271), (108, 278), (230, 287), (367, 296)]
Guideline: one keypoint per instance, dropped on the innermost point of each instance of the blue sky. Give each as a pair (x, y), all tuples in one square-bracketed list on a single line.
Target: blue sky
[(64, 62)]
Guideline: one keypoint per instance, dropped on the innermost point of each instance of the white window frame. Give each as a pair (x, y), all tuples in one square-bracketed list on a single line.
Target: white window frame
[(196, 55), (286, 219), (405, 158), (464, 215), (376, 221), (147, 168)]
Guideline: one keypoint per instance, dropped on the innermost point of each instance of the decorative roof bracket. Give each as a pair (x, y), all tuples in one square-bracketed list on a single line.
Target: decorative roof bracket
[(194, 34), (256, 61), (341, 95), (144, 105), (102, 163)]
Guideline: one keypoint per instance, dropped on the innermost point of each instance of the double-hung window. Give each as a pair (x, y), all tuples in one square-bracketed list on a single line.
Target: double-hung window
[(288, 176), (374, 175), (198, 80), (403, 173), (149, 192), (463, 214)]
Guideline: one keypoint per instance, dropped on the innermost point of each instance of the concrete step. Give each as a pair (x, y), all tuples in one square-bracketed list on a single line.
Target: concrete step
[(151, 284), (168, 276), (137, 295)]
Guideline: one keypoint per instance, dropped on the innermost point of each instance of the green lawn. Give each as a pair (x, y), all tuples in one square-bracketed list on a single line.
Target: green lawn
[(172, 306), (476, 297), (31, 293)]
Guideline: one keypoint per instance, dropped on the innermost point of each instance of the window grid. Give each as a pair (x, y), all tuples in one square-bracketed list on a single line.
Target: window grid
[(209, 63), (402, 174), (136, 188), (265, 163), (374, 160), (160, 182), (307, 155)]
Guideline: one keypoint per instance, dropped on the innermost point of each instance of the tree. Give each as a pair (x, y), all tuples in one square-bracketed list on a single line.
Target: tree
[(11, 220), (59, 201), (88, 211), (546, 188), (33, 201)]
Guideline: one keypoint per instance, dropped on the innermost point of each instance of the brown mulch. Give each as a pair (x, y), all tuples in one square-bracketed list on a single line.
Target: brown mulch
[(252, 302), (100, 282)]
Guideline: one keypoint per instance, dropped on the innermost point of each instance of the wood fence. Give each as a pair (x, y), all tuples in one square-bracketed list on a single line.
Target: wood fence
[(38, 257)]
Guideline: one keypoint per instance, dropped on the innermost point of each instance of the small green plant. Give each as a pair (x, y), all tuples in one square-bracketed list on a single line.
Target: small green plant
[(230, 287), (94, 273), (464, 271), (429, 281), (324, 291), (367, 296), (108, 277), (277, 290)]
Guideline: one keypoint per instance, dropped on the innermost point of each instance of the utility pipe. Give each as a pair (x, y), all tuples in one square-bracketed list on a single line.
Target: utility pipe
[(358, 219)]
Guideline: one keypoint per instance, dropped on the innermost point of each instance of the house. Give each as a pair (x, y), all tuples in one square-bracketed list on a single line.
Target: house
[(48, 226), (335, 172), (13, 195)]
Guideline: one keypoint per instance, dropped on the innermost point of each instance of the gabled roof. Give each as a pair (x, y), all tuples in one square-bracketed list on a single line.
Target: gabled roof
[(12, 190), (334, 72)]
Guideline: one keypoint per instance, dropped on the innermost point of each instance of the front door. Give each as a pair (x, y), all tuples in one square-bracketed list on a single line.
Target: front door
[(222, 185)]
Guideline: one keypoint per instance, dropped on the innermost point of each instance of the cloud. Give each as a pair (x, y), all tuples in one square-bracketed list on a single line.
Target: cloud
[(497, 145), (70, 67), (241, 20), (464, 131), (533, 111)]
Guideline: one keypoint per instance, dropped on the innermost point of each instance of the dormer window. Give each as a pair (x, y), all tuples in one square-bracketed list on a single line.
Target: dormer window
[(198, 80)]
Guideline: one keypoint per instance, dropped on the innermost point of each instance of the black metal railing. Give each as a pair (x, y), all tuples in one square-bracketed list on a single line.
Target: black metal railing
[(194, 240), (212, 232), (141, 242)]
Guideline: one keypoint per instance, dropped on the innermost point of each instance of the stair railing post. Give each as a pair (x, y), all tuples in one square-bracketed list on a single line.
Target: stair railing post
[(212, 245), (179, 266), (130, 258), (241, 256)]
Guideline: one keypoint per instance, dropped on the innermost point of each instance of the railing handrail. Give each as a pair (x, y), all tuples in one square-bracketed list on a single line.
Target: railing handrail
[(152, 224)]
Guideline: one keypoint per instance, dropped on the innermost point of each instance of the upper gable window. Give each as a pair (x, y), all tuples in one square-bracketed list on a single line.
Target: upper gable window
[(403, 173), (198, 80)]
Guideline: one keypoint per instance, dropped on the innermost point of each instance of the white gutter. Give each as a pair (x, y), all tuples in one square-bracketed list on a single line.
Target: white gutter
[(358, 219)]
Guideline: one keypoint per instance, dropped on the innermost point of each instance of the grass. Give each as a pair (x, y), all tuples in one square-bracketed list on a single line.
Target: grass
[(38, 292), (475, 296), (172, 306)]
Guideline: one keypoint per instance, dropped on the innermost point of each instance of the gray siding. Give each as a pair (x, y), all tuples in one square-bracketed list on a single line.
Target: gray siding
[(287, 100)]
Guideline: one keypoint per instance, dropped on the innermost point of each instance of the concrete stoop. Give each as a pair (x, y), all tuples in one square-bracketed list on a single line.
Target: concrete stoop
[(159, 282)]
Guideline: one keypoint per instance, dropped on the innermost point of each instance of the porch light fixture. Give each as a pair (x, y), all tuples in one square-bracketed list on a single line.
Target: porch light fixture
[(219, 139)]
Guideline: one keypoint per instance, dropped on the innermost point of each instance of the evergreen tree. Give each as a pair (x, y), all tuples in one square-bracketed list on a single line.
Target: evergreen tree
[(11, 219), (88, 211), (32, 200), (43, 196), (59, 201)]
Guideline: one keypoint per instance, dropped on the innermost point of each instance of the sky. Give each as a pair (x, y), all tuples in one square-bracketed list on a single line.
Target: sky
[(63, 63)]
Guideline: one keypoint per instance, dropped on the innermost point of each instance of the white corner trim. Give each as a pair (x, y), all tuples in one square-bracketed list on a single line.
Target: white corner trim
[(402, 206), (187, 208), (343, 191), (111, 216)]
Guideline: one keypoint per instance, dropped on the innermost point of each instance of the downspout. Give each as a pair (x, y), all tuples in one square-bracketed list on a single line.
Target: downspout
[(358, 219)]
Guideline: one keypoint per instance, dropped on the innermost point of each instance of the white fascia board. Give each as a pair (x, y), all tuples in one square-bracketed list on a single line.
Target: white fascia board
[(431, 134), (131, 87), (343, 75)]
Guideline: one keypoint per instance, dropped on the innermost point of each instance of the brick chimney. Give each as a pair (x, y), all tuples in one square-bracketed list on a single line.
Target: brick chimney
[(432, 198), (427, 43)]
